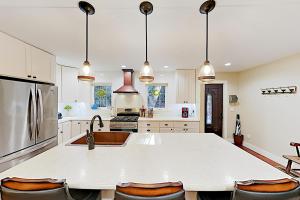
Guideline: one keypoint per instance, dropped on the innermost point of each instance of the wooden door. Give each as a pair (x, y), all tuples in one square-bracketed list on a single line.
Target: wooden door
[(214, 109)]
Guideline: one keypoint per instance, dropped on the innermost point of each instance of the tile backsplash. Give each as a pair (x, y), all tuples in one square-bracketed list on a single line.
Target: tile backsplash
[(82, 110)]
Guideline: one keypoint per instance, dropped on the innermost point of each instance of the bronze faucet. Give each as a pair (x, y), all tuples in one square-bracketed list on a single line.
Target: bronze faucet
[(90, 133)]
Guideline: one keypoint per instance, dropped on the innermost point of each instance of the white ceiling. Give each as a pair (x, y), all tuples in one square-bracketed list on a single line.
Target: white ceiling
[(246, 33)]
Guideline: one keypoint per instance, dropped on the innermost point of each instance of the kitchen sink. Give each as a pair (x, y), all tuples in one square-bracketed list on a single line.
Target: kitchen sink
[(105, 139)]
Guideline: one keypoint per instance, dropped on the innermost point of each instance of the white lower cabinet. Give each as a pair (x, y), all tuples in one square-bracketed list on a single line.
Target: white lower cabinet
[(64, 132), (166, 130), (148, 130), (169, 127), (76, 128), (79, 127)]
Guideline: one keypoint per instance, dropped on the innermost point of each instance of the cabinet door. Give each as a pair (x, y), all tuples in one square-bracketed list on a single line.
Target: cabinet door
[(13, 60), (76, 129), (69, 84), (60, 134), (58, 81), (67, 131), (41, 65), (186, 86), (181, 91), (190, 86), (85, 125)]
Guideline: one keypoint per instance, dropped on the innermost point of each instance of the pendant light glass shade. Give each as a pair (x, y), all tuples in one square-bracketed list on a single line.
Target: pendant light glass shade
[(207, 72), (146, 74), (85, 73)]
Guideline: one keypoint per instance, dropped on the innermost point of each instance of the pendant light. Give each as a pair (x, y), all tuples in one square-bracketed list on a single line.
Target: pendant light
[(146, 74), (207, 71), (85, 71)]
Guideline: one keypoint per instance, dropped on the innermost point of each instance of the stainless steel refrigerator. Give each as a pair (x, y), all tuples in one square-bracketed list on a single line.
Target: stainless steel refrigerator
[(28, 119)]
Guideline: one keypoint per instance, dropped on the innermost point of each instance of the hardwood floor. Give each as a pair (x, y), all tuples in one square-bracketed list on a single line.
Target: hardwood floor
[(267, 160)]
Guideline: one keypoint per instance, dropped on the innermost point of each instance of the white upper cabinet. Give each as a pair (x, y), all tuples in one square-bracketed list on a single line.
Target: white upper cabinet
[(186, 86), (69, 85), (42, 65), (20, 60), (73, 90), (58, 81), (13, 59)]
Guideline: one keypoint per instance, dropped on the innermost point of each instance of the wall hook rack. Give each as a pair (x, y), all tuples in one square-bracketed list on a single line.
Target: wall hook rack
[(279, 90)]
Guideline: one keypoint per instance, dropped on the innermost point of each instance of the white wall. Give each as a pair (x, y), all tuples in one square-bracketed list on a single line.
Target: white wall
[(230, 87), (271, 122)]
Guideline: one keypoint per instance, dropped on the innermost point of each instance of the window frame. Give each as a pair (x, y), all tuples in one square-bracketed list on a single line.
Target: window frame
[(103, 84), (166, 93)]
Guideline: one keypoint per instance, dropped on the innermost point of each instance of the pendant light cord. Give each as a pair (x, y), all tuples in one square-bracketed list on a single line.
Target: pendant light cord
[(207, 36), (86, 37), (146, 36)]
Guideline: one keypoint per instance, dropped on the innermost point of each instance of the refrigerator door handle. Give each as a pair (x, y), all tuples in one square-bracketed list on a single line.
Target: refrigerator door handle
[(33, 105), (40, 119)]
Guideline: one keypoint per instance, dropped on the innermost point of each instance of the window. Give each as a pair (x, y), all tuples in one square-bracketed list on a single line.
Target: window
[(102, 95), (156, 96), (209, 109)]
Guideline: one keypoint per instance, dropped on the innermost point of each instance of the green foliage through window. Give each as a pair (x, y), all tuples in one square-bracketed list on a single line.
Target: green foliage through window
[(156, 96), (102, 95)]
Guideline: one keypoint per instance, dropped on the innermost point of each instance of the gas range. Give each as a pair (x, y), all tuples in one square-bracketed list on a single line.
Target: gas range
[(126, 120)]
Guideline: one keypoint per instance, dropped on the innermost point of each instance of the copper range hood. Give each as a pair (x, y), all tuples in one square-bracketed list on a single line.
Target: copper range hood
[(127, 88)]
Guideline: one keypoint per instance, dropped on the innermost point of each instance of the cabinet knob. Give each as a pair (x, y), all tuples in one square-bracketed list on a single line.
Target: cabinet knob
[(166, 124), (148, 130), (185, 124), (148, 124), (29, 76), (34, 77)]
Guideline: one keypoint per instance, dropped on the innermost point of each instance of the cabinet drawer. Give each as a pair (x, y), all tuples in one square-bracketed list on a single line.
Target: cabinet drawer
[(186, 130), (149, 130), (149, 124), (166, 124), (187, 125), (166, 130)]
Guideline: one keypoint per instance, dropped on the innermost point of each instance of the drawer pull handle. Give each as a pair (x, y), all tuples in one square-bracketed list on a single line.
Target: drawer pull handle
[(166, 124), (148, 130), (185, 124), (148, 124)]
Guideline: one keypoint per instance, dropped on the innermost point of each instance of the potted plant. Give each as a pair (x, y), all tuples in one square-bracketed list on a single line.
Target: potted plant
[(238, 138), (68, 108)]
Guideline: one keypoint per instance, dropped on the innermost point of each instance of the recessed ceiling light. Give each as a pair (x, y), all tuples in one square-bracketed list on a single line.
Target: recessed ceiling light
[(228, 64), (123, 66), (166, 67)]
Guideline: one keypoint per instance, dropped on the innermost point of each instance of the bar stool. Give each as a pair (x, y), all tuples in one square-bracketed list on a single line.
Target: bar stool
[(160, 191), (45, 189), (283, 189)]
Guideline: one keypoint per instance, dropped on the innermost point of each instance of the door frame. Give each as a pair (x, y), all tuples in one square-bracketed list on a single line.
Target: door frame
[(225, 106), (205, 105)]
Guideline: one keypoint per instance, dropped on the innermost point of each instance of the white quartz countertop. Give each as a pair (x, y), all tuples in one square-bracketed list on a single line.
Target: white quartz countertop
[(87, 118), (203, 162), (191, 119)]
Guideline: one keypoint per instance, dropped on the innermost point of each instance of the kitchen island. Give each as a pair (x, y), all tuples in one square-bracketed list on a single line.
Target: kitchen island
[(203, 162)]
